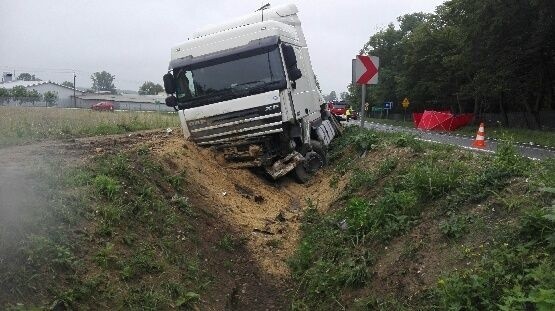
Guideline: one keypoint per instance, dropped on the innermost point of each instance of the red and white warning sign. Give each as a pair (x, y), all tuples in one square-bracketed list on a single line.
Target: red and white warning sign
[(365, 69)]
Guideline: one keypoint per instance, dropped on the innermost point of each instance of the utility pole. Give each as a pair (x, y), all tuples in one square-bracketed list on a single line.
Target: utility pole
[(74, 98)]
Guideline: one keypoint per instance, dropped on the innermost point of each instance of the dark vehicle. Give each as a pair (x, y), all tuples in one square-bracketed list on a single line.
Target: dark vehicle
[(103, 106)]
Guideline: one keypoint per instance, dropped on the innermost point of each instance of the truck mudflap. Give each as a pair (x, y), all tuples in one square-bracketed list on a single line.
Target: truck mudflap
[(283, 166), (326, 132)]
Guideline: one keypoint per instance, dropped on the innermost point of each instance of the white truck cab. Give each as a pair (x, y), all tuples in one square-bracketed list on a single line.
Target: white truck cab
[(247, 89)]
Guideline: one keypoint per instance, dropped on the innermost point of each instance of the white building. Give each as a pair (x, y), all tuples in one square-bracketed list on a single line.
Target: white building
[(65, 94)]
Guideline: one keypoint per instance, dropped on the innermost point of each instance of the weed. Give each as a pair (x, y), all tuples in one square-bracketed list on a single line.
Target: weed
[(431, 179), (143, 150), (111, 214), (187, 300), (387, 166), (229, 243), (321, 264), (176, 180), (538, 225), (105, 257), (334, 180), (43, 252), (365, 141), (517, 269), (106, 186), (144, 298), (360, 179), (455, 226), (143, 261)]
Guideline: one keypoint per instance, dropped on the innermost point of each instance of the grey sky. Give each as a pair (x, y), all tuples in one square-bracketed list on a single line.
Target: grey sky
[(132, 38)]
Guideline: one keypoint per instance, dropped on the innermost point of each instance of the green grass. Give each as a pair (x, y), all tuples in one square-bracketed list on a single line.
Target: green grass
[(518, 135), (134, 249), (22, 125), (338, 249)]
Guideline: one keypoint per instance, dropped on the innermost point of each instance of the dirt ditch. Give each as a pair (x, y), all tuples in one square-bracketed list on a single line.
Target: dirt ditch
[(261, 214), (265, 213)]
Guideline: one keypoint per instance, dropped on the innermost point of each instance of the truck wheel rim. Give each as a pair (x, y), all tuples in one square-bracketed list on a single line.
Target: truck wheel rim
[(312, 162)]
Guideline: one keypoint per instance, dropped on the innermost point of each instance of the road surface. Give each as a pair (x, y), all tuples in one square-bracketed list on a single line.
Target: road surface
[(462, 141)]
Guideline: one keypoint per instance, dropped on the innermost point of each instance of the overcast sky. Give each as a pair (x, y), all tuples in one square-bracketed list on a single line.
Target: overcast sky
[(132, 38)]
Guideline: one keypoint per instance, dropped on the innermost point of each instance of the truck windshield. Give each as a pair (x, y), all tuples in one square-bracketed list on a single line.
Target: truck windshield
[(239, 77)]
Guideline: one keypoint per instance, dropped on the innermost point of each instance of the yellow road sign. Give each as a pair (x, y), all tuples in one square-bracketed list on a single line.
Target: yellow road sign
[(405, 103)]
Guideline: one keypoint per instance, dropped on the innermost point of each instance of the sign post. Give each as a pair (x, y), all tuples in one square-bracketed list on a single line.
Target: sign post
[(387, 106), (405, 105), (365, 71), (366, 105)]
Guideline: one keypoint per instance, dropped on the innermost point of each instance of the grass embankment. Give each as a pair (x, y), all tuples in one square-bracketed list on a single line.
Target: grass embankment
[(118, 234), (423, 226), (21, 125), (518, 135)]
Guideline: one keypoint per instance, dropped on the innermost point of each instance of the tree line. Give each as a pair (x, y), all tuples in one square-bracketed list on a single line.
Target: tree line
[(22, 95), (102, 81), (469, 56)]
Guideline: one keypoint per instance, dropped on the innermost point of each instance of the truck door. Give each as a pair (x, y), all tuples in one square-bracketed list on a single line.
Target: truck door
[(304, 93)]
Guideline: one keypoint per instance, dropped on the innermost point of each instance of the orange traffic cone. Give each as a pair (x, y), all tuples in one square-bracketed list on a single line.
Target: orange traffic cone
[(480, 137)]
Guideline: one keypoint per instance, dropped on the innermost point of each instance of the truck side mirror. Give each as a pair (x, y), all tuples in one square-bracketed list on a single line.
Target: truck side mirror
[(294, 73), (169, 84), (289, 56), (171, 101)]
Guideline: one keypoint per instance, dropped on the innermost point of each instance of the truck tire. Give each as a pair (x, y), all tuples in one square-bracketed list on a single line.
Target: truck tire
[(314, 160)]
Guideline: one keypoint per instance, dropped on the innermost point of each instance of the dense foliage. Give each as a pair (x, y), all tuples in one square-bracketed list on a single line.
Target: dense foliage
[(469, 56)]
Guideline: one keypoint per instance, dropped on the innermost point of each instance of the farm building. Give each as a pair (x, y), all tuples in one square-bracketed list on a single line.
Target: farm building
[(65, 94), (125, 101)]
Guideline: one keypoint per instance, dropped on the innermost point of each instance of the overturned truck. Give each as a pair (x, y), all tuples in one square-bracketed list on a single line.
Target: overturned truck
[(247, 89)]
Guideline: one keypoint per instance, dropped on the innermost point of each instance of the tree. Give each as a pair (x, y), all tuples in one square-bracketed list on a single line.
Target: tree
[(150, 88), (50, 98), (19, 93), (4, 95), (331, 97), (469, 56), (27, 77), (68, 84), (33, 96), (344, 95), (103, 81)]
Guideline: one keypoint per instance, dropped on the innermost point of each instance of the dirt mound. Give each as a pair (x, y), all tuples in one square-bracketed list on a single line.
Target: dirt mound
[(264, 212)]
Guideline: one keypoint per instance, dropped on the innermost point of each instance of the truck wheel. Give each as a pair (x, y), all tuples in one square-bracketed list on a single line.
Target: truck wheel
[(314, 160)]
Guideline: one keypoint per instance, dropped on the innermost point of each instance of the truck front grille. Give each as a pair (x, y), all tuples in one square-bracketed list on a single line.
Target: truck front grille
[(248, 124)]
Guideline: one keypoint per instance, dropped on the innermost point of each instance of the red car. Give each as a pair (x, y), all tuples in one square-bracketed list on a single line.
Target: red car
[(103, 106)]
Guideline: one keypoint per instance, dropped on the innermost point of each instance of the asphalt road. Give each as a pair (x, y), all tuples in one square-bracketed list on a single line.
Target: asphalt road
[(532, 152)]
